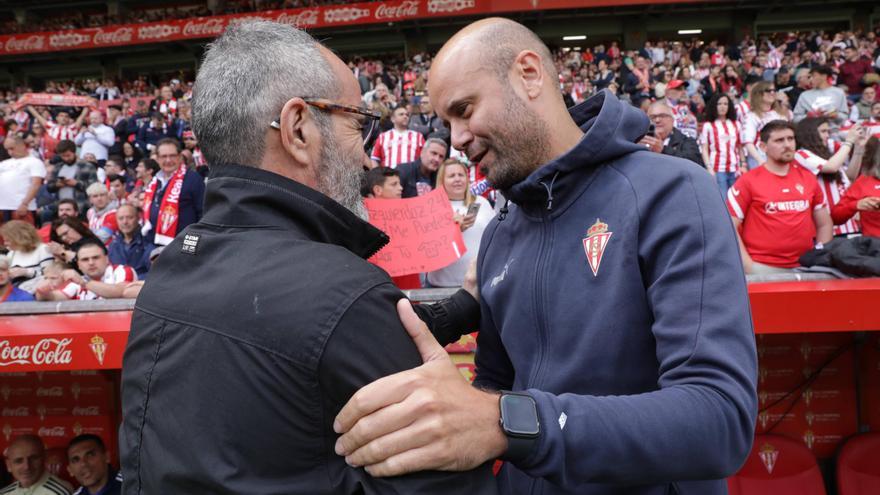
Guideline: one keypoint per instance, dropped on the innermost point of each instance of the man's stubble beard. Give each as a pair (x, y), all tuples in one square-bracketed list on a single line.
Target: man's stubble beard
[(521, 145), (339, 178)]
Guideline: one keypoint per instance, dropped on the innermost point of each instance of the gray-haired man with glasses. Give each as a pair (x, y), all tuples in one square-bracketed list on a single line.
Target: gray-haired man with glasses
[(260, 321)]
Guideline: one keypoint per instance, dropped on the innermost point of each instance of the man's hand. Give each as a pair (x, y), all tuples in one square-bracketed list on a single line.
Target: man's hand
[(652, 143), (21, 211), (424, 418), (71, 275), (871, 203)]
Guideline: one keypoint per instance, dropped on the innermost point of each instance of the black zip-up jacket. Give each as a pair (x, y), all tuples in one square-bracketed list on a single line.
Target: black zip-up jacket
[(257, 325)]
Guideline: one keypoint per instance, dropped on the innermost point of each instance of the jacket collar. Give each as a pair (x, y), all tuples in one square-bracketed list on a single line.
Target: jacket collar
[(247, 196)]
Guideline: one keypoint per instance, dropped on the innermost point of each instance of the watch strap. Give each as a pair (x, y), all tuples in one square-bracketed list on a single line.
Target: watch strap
[(518, 449)]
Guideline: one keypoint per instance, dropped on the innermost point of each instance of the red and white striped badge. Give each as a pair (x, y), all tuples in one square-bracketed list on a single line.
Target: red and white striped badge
[(594, 244)]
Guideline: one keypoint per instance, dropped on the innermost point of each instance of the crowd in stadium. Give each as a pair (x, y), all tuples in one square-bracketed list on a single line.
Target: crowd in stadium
[(90, 194), (80, 19)]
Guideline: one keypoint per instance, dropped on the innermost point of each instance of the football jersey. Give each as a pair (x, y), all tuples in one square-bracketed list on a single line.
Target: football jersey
[(776, 213), (59, 132), (103, 224), (833, 188), (394, 147), (114, 274), (723, 139)]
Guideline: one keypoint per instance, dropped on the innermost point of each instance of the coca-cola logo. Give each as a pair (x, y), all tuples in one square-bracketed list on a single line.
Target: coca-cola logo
[(121, 35), (15, 411), (50, 392), (409, 8), (85, 411), (55, 431), (67, 40), (437, 6), (345, 14), (46, 351), (302, 19), (156, 32), (30, 44), (206, 28)]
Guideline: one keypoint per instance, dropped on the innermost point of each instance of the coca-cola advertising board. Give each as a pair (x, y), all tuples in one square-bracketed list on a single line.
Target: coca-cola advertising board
[(71, 341), (306, 18)]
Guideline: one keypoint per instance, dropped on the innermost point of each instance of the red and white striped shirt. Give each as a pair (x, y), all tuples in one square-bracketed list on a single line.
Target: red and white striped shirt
[(59, 132), (742, 109), (114, 274), (832, 188), (394, 147), (724, 140), (872, 126)]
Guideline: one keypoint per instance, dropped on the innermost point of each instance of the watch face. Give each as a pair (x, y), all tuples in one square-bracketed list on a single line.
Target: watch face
[(520, 415)]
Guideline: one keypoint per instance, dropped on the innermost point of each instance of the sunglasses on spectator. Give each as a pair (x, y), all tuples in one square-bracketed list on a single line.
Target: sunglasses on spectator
[(367, 119)]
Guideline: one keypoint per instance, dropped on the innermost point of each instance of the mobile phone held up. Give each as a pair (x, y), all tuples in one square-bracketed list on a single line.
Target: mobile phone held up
[(472, 210), (651, 130)]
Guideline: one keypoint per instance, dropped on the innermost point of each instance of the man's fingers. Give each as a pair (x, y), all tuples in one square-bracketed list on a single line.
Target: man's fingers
[(382, 392), (428, 347), (373, 426), (425, 458), (413, 436)]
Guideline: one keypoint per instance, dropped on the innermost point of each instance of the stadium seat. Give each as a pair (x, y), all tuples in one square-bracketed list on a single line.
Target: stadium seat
[(858, 465), (778, 465)]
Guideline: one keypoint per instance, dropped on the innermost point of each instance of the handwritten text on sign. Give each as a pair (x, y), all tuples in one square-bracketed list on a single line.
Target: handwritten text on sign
[(423, 235)]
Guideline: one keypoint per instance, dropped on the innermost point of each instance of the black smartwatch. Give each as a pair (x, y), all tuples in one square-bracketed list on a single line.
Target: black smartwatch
[(519, 420)]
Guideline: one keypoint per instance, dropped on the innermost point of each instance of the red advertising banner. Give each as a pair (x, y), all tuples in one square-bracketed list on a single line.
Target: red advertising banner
[(305, 18), (423, 235), (69, 341)]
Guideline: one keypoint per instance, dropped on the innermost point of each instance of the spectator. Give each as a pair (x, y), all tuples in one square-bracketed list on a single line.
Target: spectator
[(102, 214), (863, 197), (27, 254), (721, 142), (145, 170), (862, 109), (191, 145), (731, 81), (398, 145), (96, 138), (26, 461), (453, 179), (65, 208), (419, 177), (667, 139), (764, 108), (128, 246), (62, 129), (677, 101), (713, 83), (639, 83), (89, 463), (852, 72), (778, 209), (72, 176), (802, 83), (426, 121), (382, 183), (10, 293), (67, 234), (813, 154), (114, 167), (21, 176), (173, 199), (51, 280), (99, 280), (153, 131), (166, 105), (131, 155), (824, 100), (604, 76)]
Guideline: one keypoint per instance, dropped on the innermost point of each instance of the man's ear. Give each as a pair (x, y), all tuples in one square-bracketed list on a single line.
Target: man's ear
[(528, 73), (300, 135), (377, 191), (762, 146)]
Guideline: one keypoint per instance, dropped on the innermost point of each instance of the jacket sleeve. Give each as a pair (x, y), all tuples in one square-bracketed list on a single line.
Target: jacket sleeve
[(691, 151), (699, 424), (369, 342), (847, 206)]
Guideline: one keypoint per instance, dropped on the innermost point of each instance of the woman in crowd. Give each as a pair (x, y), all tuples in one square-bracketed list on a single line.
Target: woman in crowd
[(863, 197), (67, 234), (453, 178), (815, 155), (130, 156), (764, 108), (721, 142), (27, 254)]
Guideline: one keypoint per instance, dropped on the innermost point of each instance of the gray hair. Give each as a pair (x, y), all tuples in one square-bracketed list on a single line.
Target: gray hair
[(246, 77), (439, 141), (96, 188)]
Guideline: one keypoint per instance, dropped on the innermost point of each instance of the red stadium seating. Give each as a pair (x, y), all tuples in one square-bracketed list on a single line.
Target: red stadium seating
[(858, 465), (778, 465)]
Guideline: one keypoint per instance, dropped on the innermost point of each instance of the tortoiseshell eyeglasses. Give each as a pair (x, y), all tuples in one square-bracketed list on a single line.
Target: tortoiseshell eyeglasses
[(368, 120)]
